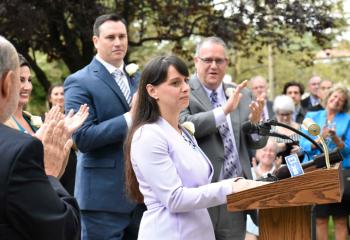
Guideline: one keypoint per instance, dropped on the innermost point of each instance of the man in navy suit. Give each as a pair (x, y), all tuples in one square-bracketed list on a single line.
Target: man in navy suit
[(34, 205), (104, 85)]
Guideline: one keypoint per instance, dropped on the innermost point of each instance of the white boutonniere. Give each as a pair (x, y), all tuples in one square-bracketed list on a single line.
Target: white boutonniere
[(131, 69), (229, 91), (36, 121), (189, 126)]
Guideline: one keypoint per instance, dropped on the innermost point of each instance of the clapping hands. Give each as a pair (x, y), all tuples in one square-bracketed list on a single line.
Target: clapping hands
[(57, 143), (256, 107), (74, 121), (233, 100)]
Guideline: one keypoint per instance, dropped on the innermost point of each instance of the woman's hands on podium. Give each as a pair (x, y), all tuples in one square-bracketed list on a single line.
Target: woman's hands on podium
[(240, 184)]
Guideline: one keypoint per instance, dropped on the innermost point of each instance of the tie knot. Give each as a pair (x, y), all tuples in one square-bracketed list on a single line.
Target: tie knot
[(117, 73), (214, 97)]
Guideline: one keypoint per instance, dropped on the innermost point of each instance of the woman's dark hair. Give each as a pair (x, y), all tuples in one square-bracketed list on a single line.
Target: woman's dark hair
[(55, 85), (147, 111), (23, 61)]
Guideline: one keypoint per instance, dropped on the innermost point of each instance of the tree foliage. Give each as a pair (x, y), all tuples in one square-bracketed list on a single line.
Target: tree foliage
[(62, 29)]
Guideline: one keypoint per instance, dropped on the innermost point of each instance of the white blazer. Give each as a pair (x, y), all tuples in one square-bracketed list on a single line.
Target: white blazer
[(174, 177)]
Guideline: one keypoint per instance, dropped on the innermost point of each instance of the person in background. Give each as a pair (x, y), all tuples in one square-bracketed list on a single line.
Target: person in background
[(335, 124), (325, 85), (20, 119), (283, 106), (34, 204), (312, 100), (264, 162), (258, 85), (218, 123), (295, 90), (165, 167), (55, 98), (106, 87)]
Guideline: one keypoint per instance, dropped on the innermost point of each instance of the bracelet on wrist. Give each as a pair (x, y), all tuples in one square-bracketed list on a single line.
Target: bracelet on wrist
[(237, 179)]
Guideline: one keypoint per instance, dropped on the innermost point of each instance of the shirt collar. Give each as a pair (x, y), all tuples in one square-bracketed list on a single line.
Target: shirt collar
[(110, 68), (219, 90)]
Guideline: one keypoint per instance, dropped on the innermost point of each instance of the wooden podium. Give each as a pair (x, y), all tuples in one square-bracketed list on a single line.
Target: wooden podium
[(285, 206)]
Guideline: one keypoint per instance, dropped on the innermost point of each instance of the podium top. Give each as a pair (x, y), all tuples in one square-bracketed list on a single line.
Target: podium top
[(320, 186)]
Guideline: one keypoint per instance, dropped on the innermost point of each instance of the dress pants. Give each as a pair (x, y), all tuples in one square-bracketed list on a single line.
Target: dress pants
[(228, 225), (97, 225)]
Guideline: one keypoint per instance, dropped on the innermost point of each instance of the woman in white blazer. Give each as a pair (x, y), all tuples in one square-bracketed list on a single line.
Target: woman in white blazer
[(165, 168)]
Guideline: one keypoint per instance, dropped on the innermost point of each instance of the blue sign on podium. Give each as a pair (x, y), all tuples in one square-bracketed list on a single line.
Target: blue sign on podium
[(294, 165)]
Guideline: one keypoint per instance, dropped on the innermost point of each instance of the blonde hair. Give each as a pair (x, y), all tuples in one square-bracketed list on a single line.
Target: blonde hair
[(344, 91)]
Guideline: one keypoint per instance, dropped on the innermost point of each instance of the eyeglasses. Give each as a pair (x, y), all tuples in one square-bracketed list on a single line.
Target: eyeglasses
[(209, 61), (285, 114)]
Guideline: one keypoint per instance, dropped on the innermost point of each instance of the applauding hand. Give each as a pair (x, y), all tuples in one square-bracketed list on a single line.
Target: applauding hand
[(233, 100), (74, 121), (57, 144), (54, 114)]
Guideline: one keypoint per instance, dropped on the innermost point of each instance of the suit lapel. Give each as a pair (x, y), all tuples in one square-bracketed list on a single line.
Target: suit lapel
[(102, 74), (199, 93)]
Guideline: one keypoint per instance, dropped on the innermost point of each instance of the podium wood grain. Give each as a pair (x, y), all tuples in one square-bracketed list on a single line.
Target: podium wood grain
[(290, 223), (285, 205)]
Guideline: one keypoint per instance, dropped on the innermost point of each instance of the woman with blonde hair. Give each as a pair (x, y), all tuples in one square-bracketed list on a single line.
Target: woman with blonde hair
[(334, 121)]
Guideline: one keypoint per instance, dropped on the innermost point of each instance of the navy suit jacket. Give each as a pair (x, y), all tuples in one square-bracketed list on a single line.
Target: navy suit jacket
[(100, 168), (33, 205)]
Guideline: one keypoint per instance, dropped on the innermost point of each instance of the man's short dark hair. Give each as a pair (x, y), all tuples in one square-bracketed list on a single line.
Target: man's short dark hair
[(104, 18), (293, 83)]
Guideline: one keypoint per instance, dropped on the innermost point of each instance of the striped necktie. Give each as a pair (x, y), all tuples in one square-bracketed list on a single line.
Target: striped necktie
[(232, 167), (118, 76)]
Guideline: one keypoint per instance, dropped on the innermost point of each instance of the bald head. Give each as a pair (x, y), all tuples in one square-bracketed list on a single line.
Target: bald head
[(313, 85), (258, 85), (9, 79)]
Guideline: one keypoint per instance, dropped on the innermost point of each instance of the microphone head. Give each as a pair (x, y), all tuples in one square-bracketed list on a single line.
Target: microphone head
[(248, 127), (310, 126)]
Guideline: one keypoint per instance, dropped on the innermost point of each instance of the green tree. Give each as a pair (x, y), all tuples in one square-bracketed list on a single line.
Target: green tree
[(62, 29)]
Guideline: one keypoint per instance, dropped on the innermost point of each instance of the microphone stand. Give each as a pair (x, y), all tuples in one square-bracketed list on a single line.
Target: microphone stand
[(273, 122), (319, 161)]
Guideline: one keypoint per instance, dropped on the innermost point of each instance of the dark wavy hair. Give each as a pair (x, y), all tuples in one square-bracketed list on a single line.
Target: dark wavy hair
[(293, 83), (147, 111)]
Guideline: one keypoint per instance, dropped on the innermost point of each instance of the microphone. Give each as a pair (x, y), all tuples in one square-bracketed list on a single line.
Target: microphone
[(319, 162), (262, 129), (310, 126)]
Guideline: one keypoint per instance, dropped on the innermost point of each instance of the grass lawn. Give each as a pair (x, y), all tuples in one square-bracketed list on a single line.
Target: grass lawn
[(330, 230)]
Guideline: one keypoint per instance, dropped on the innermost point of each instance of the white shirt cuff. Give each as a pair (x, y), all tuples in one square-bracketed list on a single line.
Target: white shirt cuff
[(219, 115), (128, 119)]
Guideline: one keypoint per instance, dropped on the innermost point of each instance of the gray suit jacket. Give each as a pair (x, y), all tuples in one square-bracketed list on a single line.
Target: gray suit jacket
[(269, 105), (200, 112)]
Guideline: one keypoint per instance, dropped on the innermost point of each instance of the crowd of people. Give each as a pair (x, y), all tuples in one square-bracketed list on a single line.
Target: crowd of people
[(152, 156)]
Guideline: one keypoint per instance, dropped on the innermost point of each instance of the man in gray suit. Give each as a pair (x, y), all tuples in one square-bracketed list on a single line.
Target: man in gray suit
[(218, 118)]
